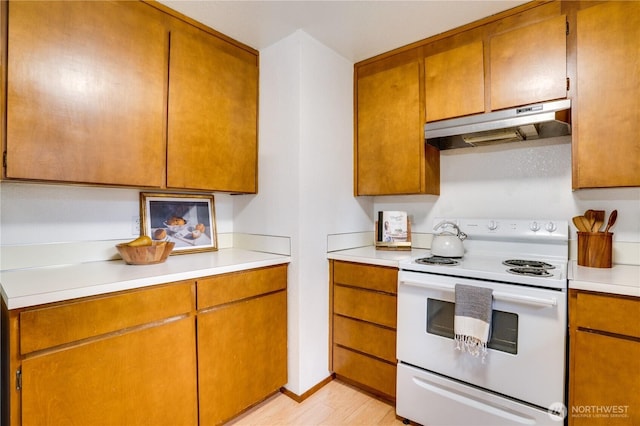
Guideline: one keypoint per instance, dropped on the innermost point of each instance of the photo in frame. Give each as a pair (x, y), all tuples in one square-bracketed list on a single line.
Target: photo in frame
[(393, 231), (188, 220)]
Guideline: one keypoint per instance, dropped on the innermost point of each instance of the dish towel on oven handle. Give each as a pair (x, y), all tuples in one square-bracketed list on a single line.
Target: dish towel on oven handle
[(472, 320)]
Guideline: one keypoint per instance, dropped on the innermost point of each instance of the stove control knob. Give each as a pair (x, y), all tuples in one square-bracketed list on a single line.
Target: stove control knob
[(551, 227), (492, 225), (534, 226)]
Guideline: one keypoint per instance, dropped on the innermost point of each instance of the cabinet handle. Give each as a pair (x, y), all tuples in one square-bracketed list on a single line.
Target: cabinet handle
[(19, 379)]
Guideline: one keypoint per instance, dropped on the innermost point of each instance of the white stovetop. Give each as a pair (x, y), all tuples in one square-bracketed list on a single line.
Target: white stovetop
[(35, 286)]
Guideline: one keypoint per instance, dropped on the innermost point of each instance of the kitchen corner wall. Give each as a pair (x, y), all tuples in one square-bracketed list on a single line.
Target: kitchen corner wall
[(306, 191)]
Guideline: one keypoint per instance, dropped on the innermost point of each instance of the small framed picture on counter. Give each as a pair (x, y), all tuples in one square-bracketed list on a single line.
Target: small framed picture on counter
[(188, 220), (393, 231)]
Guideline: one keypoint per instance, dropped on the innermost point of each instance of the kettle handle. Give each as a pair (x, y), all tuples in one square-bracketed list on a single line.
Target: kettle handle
[(459, 233)]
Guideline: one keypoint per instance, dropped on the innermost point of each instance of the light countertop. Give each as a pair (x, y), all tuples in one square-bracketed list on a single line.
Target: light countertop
[(35, 286), (619, 279), (370, 255)]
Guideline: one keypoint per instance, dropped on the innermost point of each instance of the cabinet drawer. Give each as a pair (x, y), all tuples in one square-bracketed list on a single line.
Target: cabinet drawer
[(54, 325), (612, 314), (366, 305), (227, 288), (365, 337), (372, 277), (365, 370)]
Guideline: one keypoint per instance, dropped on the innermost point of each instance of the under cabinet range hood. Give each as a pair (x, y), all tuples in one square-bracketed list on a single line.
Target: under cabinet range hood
[(537, 121)]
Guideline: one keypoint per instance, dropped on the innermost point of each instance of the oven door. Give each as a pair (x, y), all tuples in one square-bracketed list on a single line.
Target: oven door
[(526, 353)]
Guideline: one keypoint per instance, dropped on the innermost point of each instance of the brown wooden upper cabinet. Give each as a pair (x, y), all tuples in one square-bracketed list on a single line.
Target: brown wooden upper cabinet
[(85, 92), (390, 153), (529, 64), (516, 58), (125, 93), (454, 82), (525, 64), (606, 146), (212, 131)]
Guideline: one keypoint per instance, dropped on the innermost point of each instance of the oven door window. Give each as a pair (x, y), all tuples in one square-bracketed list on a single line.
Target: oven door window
[(504, 325)]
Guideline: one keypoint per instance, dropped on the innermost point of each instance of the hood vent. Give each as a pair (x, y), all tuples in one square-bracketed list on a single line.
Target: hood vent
[(538, 121)]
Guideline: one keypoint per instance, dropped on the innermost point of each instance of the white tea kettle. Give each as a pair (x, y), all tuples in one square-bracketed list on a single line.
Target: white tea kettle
[(446, 243)]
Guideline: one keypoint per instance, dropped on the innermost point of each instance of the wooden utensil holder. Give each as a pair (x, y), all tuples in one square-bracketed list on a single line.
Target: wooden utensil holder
[(594, 249)]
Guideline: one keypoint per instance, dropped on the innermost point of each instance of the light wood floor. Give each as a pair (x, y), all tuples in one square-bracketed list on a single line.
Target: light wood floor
[(334, 404)]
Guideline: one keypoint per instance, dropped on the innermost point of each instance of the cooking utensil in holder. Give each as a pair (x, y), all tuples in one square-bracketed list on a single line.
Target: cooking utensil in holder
[(595, 249)]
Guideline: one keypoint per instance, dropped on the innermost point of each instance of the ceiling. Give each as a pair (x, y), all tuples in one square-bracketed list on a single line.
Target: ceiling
[(356, 30)]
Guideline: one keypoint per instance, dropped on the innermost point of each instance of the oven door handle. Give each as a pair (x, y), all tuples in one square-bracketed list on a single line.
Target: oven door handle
[(497, 295)]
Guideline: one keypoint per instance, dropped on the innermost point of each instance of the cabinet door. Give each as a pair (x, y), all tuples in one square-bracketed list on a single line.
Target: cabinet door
[(605, 377), (242, 355), (143, 377), (86, 92), (212, 130), (606, 147), (391, 156), (454, 84), (529, 64)]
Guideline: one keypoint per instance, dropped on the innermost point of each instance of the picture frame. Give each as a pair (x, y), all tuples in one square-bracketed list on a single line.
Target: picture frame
[(393, 231), (188, 220)]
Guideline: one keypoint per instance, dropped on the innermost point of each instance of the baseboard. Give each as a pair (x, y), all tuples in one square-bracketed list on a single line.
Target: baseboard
[(307, 394)]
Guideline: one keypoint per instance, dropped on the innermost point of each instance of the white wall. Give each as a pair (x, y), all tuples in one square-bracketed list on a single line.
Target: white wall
[(518, 181), (40, 213), (306, 163)]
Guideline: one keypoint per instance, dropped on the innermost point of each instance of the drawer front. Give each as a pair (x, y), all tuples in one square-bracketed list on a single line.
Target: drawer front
[(58, 324), (612, 314), (379, 278), (227, 288), (378, 308), (365, 370), (365, 337)]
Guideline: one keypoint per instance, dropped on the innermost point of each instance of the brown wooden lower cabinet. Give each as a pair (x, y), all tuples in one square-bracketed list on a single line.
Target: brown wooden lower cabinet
[(136, 378), (604, 374), (242, 343), (363, 326), (147, 356)]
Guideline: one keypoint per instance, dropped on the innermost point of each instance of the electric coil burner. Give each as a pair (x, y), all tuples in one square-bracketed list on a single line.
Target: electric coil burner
[(523, 263), (529, 268), (437, 260), (530, 272)]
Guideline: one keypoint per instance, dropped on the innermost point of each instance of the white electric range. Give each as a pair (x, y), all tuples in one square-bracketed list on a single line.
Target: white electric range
[(522, 379)]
